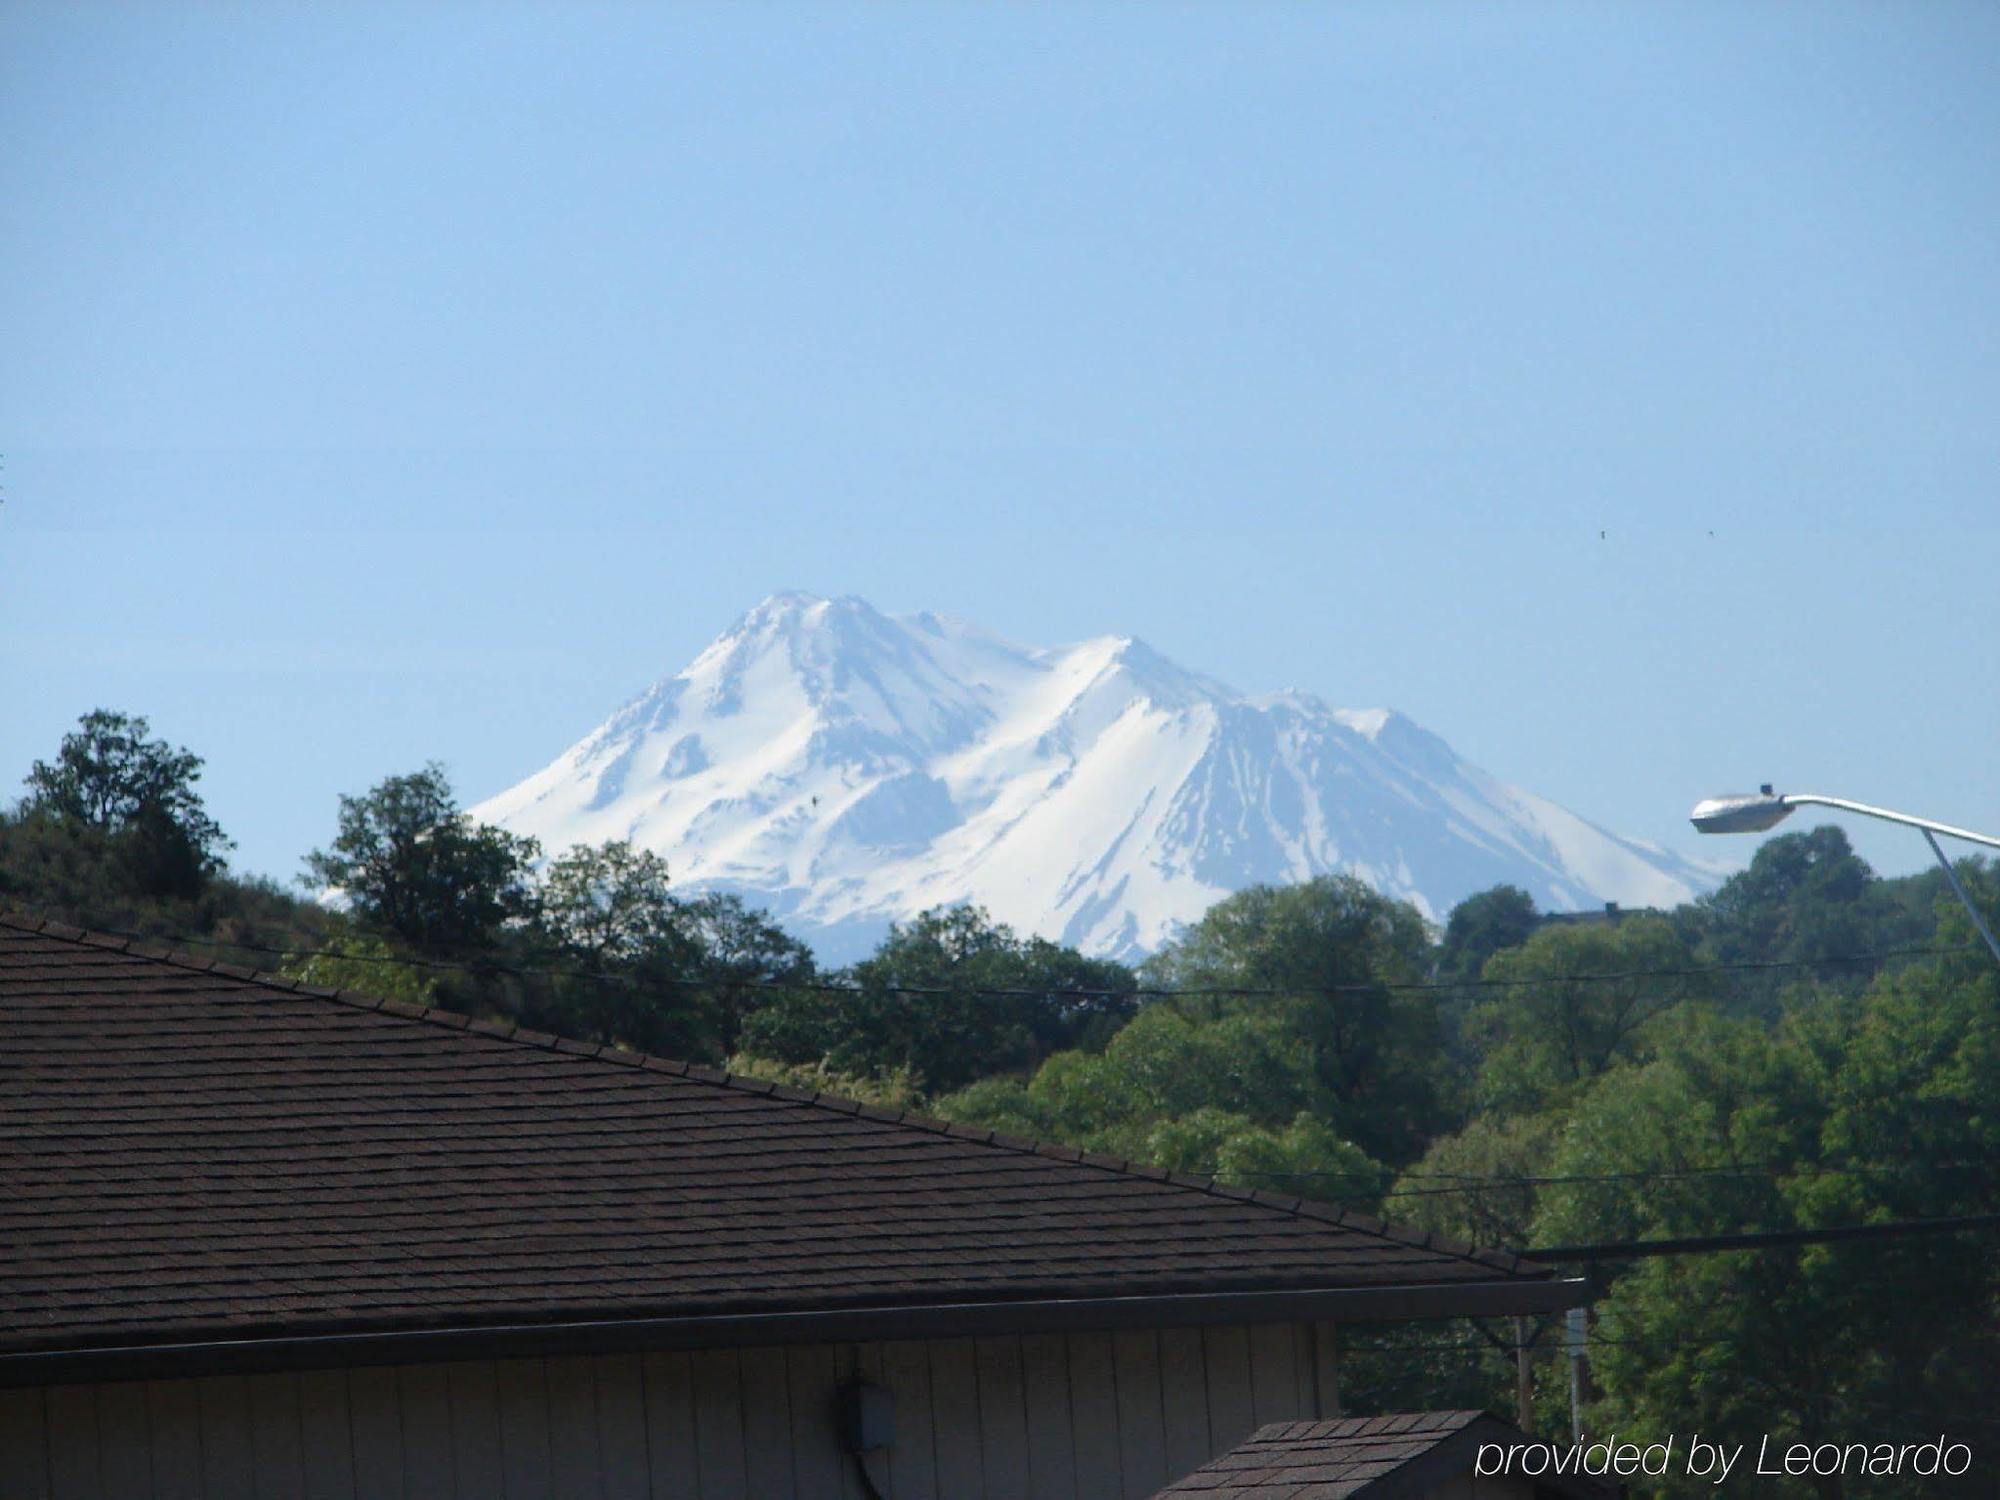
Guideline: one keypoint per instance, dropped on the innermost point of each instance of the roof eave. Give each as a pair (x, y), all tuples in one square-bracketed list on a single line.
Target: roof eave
[(741, 1330)]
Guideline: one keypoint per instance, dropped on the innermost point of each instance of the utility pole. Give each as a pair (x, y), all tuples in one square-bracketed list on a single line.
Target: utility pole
[(1576, 1327), (1524, 1379)]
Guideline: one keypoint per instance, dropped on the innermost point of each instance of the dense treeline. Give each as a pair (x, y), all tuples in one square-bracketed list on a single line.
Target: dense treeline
[(1811, 1045)]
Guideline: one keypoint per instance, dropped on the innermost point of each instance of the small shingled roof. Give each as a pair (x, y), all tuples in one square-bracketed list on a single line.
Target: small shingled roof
[(191, 1152), (1404, 1454)]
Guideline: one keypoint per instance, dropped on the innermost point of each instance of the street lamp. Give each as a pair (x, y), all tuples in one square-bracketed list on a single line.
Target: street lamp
[(1766, 809)]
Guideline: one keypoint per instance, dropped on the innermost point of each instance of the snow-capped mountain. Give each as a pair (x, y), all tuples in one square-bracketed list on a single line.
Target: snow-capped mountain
[(846, 769)]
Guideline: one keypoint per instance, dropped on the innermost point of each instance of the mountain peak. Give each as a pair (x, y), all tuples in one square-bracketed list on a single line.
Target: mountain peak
[(796, 607), (847, 768)]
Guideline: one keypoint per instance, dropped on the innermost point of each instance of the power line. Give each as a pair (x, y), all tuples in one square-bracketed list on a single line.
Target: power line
[(1467, 1183), (1711, 1244)]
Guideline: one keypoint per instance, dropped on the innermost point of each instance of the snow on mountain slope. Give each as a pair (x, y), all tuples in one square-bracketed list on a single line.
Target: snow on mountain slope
[(846, 769)]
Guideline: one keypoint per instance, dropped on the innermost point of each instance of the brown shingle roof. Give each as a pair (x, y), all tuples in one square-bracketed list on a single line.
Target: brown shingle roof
[(1362, 1458), (192, 1152)]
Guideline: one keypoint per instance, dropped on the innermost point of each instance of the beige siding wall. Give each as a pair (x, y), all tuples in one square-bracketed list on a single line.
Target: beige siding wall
[(1043, 1417)]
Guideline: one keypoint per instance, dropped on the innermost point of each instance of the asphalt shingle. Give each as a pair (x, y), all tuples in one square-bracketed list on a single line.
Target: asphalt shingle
[(190, 1151), (1352, 1458)]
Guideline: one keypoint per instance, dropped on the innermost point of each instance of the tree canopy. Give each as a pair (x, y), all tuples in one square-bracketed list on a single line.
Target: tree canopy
[(950, 995), (407, 860), (1345, 968), (139, 795)]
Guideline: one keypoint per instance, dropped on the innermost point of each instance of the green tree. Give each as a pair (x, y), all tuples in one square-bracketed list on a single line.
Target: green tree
[(1557, 1013), (640, 967), (608, 904), (1808, 897), (950, 996), (1234, 1097), (892, 1090), (366, 965), (1344, 967), (1840, 1116), (1480, 1185), (411, 864), (139, 793), (1482, 925), (747, 962)]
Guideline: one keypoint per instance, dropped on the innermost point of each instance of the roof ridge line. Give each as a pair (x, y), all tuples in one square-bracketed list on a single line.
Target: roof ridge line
[(509, 1031)]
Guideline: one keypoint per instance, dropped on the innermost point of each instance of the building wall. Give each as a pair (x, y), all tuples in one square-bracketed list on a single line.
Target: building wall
[(1491, 1487), (1041, 1417)]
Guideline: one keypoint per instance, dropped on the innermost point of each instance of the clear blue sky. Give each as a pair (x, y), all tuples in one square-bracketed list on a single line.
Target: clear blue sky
[(1615, 390)]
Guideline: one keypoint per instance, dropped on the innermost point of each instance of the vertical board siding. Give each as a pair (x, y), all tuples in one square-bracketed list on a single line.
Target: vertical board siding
[(173, 1413), (1274, 1372), (24, 1444), (521, 1390), (125, 1436), (955, 1420), (1232, 1415), (224, 1414), (718, 1425), (74, 1447), (573, 1460), (277, 1457), (425, 1392), (375, 1417), (1089, 1416), (1093, 1409), (814, 1374), (1142, 1422), (475, 1429), (1303, 1361), (1051, 1441), (911, 1462), (1184, 1399), (621, 1427), (670, 1426), (767, 1423), (1003, 1416), (326, 1435), (1326, 1370)]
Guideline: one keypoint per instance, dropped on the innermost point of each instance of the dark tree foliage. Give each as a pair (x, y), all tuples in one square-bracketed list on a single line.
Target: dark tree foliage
[(139, 793), (637, 966), (1541, 1033), (1340, 963), (1482, 925), (412, 865), (743, 955), (84, 876), (1808, 896), (113, 834), (889, 1020)]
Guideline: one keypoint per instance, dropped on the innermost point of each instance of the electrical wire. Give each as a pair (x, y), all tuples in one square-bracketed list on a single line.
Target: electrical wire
[(1711, 1244), (1466, 1183)]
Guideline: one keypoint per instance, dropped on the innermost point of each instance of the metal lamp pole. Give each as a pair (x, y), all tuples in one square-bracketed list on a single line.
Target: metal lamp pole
[(1766, 809)]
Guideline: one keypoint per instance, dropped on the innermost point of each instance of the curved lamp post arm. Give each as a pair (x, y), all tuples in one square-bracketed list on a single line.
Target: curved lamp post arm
[(1794, 799), (1930, 831), (1755, 814)]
